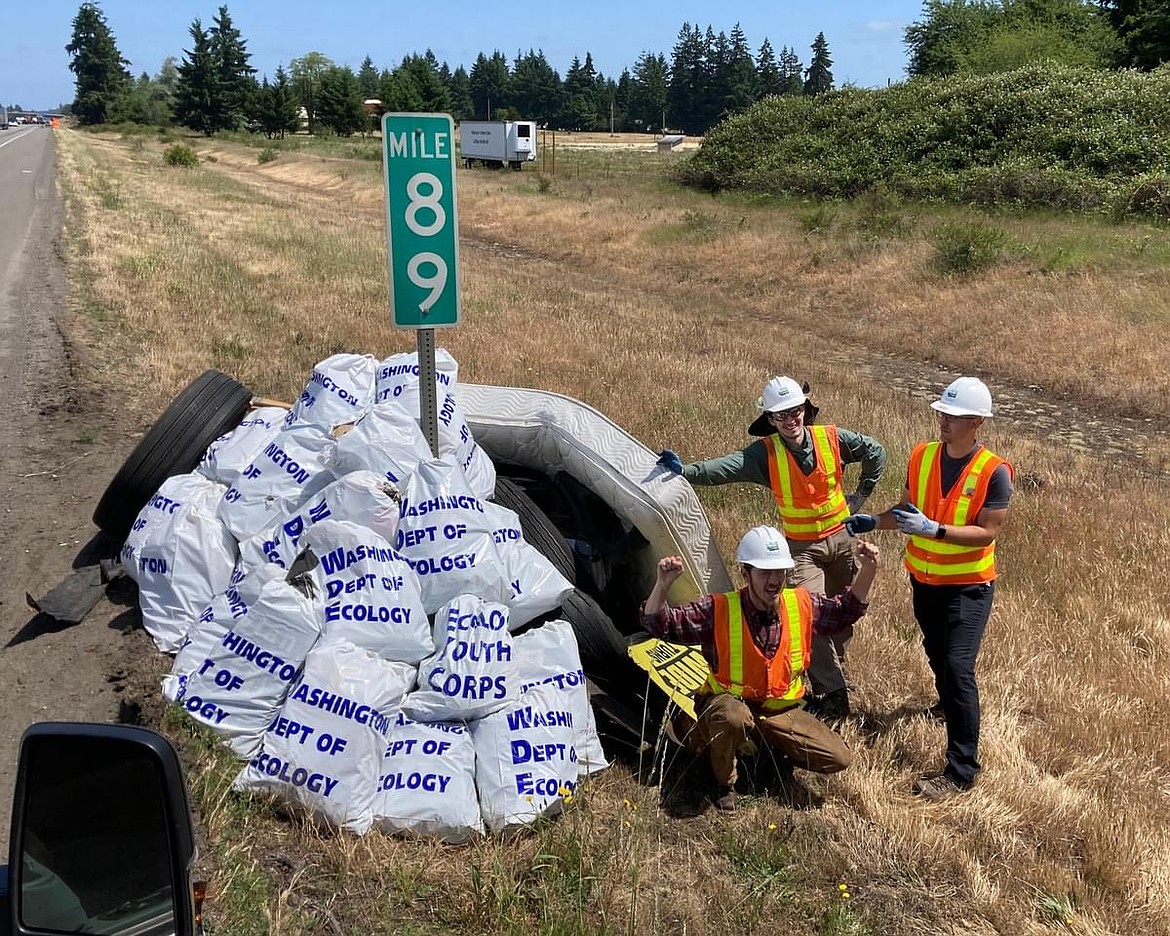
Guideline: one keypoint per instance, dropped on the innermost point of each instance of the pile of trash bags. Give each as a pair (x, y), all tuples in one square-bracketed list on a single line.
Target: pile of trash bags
[(354, 616)]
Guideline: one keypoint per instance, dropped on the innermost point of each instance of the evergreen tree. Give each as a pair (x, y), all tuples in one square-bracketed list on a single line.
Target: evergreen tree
[(818, 78), (277, 111), (197, 96), (791, 72), (398, 93), (649, 88), (688, 81), (719, 77), (767, 71), (368, 78), (621, 101), (489, 84), (236, 78), (1143, 26), (102, 75), (339, 102), (462, 106), (580, 108), (422, 72), (742, 79), (536, 88)]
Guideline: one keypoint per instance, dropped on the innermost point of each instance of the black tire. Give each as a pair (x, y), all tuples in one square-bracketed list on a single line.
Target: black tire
[(211, 405), (537, 528), (601, 645)]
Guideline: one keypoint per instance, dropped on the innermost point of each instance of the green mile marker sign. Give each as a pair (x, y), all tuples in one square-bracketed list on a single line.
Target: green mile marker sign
[(418, 160)]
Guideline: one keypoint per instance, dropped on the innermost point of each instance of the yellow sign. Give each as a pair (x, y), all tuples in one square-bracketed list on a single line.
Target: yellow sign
[(678, 670)]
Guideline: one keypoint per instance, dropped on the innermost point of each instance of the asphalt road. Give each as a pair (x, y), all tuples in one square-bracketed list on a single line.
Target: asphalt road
[(53, 466)]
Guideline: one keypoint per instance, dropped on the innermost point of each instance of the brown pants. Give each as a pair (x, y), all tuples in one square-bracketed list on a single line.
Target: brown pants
[(725, 724), (825, 567)]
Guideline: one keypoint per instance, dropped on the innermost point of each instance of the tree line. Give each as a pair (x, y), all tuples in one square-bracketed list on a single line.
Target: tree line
[(213, 86), (708, 76)]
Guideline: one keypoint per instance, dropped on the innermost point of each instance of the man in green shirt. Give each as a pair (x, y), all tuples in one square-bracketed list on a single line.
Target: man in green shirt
[(803, 465)]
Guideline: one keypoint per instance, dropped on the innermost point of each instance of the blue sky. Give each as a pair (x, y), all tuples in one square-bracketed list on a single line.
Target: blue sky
[(865, 39)]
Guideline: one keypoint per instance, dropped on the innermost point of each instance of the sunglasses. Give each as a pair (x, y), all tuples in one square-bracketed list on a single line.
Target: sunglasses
[(786, 415)]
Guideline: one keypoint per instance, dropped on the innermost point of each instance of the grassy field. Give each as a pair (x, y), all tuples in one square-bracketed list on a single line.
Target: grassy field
[(667, 310)]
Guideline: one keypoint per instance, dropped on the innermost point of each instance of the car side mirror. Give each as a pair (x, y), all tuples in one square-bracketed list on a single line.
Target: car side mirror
[(101, 838)]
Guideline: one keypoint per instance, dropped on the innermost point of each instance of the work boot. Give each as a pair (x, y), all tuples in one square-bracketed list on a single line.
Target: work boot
[(937, 789), (724, 798), (935, 712), (831, 707)]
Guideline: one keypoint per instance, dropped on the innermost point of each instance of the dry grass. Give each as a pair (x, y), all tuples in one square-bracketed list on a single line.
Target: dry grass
[(667, 310)]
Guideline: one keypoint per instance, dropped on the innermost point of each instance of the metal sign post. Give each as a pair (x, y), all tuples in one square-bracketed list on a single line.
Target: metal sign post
[(422, 227)]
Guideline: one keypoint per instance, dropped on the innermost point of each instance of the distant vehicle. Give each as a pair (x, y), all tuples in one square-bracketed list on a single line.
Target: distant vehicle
[(101, 838), (497, 143)]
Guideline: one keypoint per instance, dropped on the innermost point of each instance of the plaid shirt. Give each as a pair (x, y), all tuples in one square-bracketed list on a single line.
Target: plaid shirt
[(694, 623)]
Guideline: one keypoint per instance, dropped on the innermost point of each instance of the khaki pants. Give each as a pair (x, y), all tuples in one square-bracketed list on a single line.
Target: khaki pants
[(825, 567), (725, 724)]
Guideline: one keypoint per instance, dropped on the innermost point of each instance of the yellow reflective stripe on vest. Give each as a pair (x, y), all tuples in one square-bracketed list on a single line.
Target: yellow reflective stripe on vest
[(823, 516), (970, 482), (795, 644), (932, 559), (926, 567), (790, 616), (929, 457)]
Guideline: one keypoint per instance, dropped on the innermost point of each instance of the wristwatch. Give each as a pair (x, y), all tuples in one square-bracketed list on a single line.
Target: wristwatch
[(941, 532)]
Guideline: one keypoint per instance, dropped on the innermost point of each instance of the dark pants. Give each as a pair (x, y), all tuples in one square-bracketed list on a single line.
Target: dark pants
[(952, 619)]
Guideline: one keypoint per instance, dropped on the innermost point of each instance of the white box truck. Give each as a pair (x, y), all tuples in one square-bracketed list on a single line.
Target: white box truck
[(497, 143)]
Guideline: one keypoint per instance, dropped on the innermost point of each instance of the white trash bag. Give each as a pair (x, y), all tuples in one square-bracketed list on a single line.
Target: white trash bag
[(525, 763), (371, 595), (180, 554), (289, 470), (548, 656), (386, 441), (237, 685), (427, 782), (444, 533), (398, 380), (228, 456), (359, 497), (323, 751), (473, 671), (536, 585), (400, 371), (339, 391)]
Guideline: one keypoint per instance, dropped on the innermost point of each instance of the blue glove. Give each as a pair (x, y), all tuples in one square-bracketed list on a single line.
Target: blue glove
[(860, 523), (914, 522), (668, 459)]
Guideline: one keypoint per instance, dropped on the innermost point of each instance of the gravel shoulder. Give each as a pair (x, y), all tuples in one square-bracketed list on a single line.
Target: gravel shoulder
[(54, 464)]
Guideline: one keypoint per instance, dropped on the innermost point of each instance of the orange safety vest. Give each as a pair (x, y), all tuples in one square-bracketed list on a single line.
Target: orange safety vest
[(937, 562), (810, 507), (776, 683)]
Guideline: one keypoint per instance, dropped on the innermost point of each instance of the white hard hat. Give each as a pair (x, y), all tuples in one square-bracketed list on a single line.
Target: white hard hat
[(781, 393), (967, 396), (764, 547)]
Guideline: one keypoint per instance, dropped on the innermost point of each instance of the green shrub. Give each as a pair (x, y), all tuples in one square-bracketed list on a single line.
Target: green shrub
[(965, 247), (817, 219), (180, 154), (1044, 135), (880, 215), (266, 155)]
